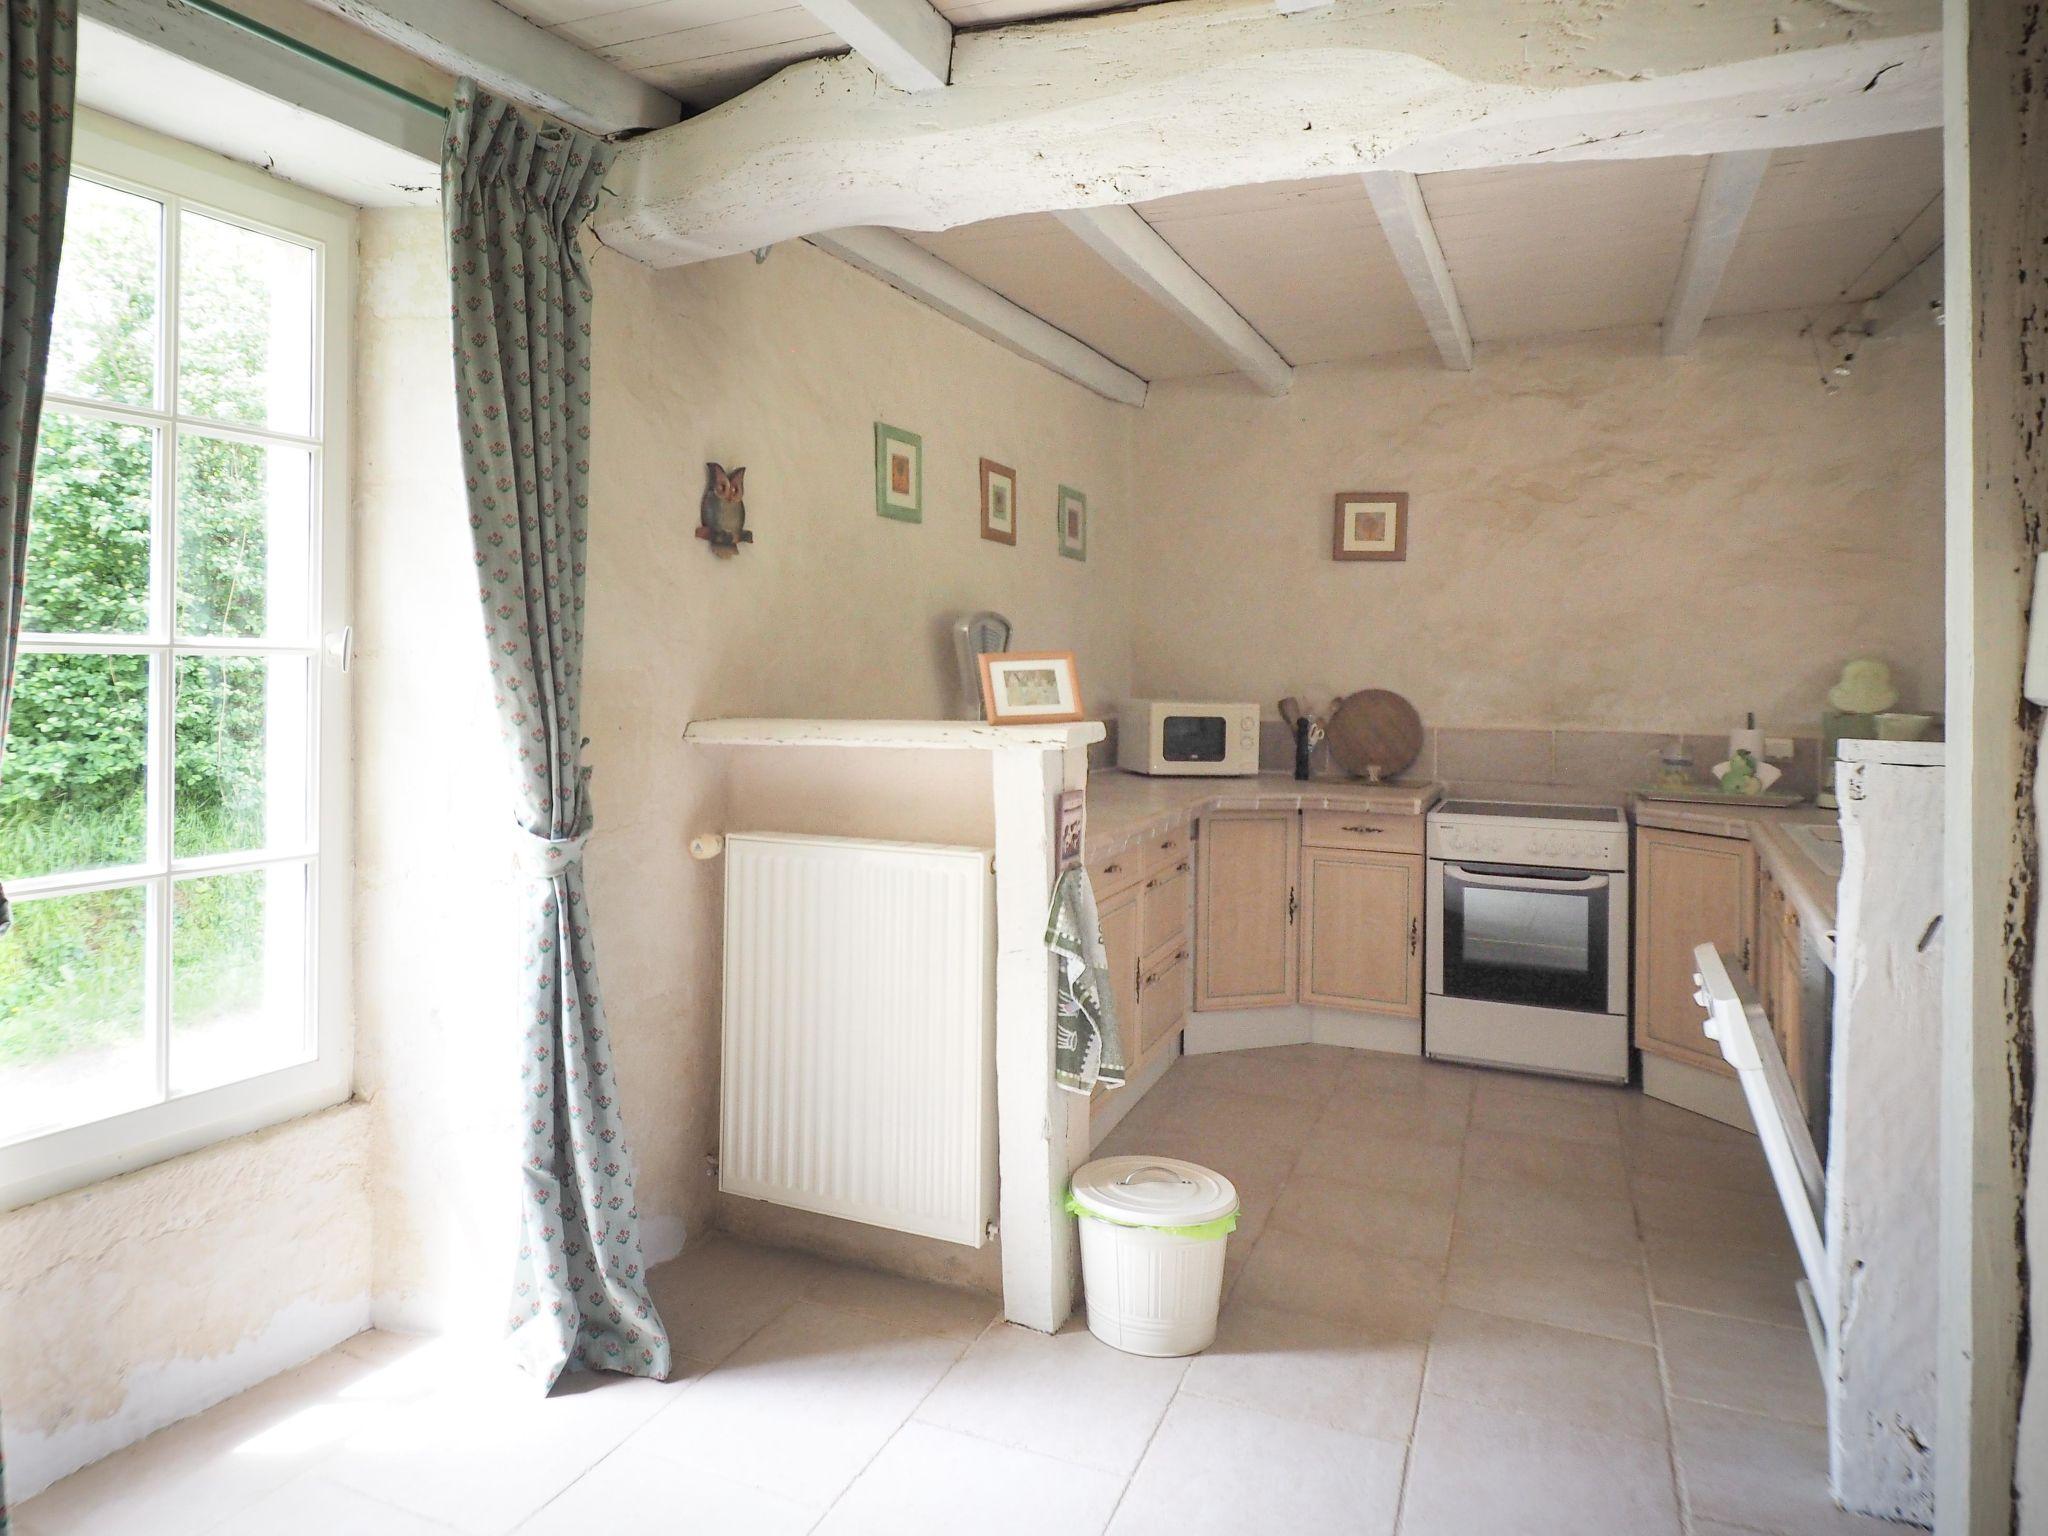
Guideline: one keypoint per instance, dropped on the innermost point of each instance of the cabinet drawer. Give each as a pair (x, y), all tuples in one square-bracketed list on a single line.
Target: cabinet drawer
[(1166, 905), (1163, 1002), (1119, 872), (1164, 851), (1362, 829)]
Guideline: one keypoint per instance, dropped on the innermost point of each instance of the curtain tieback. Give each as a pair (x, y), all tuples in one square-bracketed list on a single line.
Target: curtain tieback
[(543, 858)]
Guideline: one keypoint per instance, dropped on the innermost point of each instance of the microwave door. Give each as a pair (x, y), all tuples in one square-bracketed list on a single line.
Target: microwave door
[(1193, 738), (1531, 936)]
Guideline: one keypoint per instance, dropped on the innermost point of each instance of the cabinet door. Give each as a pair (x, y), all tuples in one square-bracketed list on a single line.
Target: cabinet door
[(1690, 890), (1245, 907), (1361, 931), (1164, 998), (1120, 921)]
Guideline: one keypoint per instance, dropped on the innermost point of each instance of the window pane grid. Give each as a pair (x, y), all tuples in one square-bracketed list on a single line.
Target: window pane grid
[(210, 896)]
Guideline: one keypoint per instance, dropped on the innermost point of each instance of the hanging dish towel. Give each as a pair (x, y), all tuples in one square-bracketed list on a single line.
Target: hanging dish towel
[(1086, 1050)]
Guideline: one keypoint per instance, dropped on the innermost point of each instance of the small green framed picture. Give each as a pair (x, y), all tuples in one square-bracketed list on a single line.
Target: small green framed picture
[(1073, 521), (899, 473)]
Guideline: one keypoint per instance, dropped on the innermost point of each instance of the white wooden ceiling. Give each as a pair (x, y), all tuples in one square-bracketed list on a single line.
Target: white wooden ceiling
[(1534, 250), (703, 51)]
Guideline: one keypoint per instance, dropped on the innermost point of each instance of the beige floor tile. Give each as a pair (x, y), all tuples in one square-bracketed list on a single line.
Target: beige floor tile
[(1606, 1385), (1475, 1469), (1558, 1218), (1375, 1222), (1225, 1119), (1384, 1071), (1396, 1296), (1505, 1106), (721, 1290), (1732, 1165), (1432, 1116), (481, 1450), (1295, 1076), (1067, 1395), (1735, 1363), (1232, 1471), (1707, 1278), (1372, 1161), (1719, 1218), (315, 1506), (1547, 1162), (1547, 1284), (948, 1311), (632, 1493), (802, 1406), (1309, 1368), (926, 1478), (1761, 1474), (1643, 1115)]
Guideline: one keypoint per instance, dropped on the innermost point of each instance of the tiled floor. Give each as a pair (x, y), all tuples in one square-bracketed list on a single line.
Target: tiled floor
[(1459, 1303)]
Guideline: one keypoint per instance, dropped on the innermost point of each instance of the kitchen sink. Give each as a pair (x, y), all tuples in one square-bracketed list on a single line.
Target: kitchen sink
[(1822, 843)]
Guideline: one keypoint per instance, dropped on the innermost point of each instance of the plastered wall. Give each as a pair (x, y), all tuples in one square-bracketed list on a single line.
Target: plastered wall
[(783, 367), (128, 1305), (1600, 536)]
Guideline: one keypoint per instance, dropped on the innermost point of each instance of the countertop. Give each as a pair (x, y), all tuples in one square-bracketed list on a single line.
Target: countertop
[(1124, 808), (1806, 885)]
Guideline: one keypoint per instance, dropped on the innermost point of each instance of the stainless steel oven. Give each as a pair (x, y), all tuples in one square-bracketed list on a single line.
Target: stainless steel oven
[(1528, 937)]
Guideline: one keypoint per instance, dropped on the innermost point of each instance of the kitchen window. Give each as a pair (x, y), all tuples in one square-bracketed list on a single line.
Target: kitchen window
[(174, 799)]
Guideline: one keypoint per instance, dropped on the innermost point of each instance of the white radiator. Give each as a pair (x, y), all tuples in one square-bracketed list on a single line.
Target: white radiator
[(859, 1043)]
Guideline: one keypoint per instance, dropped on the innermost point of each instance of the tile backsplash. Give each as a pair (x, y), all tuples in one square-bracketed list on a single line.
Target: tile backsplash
[(1593, 762)]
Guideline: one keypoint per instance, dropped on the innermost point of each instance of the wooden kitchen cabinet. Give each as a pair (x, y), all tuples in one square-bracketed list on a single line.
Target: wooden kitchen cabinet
[(1120, 921), (1690, 890), (1246, 905), (1361, 930)]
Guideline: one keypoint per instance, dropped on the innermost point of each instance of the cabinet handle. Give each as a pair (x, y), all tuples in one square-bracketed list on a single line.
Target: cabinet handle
[(1364, 829), (1745, 954), (1292, 906), (1414, 934), (1112, 869), (1158, 880)]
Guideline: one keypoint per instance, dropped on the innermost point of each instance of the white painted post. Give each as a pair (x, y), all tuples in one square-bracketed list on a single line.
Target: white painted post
[(1033, 1134)]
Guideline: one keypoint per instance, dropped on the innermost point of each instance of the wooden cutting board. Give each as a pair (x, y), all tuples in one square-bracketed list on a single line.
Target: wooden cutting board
[(1375, 734)]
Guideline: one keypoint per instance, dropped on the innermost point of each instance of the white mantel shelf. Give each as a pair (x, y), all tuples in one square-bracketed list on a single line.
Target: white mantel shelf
[(968, 735)]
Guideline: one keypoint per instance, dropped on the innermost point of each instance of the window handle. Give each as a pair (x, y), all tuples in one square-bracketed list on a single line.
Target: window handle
[(341, 647)]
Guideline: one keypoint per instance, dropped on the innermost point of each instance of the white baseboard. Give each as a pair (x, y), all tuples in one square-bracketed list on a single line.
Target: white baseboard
[(1245, 1029), (1695, 1088)]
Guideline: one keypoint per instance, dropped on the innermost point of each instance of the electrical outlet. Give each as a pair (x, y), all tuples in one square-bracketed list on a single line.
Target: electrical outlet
[(1778, 749)]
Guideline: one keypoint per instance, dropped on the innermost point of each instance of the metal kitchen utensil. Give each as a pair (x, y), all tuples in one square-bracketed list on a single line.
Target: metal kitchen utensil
[(1375, 734)]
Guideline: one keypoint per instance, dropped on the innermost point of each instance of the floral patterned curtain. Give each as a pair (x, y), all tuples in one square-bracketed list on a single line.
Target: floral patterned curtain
[(37, 84), (514, 198), (38, 44)]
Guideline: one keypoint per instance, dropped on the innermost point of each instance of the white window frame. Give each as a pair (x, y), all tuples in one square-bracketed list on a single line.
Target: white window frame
[(167, 170)]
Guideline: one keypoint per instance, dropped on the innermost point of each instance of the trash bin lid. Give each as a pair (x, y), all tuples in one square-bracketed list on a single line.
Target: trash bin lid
[(1153, 1192)]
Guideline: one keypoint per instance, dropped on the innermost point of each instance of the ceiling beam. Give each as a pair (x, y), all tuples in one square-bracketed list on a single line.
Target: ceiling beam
[(1196, 95), (1725, 195), (909, 268), (515, 59), (909, 44), (1404, 220), (1140, 253), (238, 54)]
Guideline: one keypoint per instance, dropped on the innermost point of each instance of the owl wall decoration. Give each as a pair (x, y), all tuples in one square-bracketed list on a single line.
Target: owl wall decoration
[(722, 516)]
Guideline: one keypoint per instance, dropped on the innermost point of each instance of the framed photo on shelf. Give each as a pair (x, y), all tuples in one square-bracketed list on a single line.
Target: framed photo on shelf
[(998, 502), (1030, 688), (1370, 525)]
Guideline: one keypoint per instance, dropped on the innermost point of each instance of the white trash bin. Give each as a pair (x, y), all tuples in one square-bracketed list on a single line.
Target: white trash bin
[(1153, 1231)]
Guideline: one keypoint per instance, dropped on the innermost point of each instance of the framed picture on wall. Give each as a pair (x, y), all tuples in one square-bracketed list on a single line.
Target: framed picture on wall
[(1073, 521), (899, 473), (1371, 525), (1030, 687), (998, 502)]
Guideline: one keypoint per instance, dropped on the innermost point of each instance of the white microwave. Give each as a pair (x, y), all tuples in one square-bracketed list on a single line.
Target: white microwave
[(1168, 737)]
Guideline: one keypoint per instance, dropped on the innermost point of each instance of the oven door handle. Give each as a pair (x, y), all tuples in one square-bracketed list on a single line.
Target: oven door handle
[(1525, 882)]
